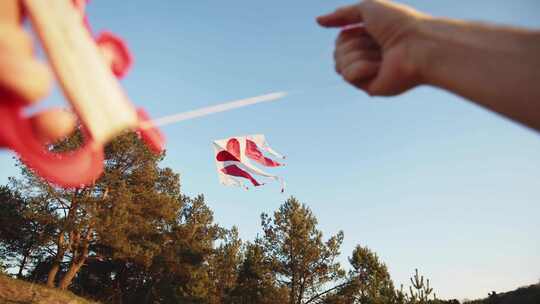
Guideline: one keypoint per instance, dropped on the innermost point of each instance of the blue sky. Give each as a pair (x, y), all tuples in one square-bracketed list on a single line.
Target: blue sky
[(425, 179)]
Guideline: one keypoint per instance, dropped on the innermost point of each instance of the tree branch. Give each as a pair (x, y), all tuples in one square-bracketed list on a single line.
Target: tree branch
[(315, 297)]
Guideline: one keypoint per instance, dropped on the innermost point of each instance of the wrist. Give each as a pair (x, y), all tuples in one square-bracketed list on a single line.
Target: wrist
[(436, 45), (422, 48)]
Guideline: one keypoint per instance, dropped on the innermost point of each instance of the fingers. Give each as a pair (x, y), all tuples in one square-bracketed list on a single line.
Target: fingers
[(10, 12), (14, 40), (53, 124), (357, 56), (360, 71), (354, 40), (372, 52), (23, 78), (355, 32), (349, 58), (343, 16), (346, 43)]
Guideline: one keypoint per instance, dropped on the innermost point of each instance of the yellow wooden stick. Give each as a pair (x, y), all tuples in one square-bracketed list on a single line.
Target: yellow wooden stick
[(84, 76)]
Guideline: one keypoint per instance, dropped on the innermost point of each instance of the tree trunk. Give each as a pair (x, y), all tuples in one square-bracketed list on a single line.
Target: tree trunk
[(51, 277), (292, 298), (301, 292), (52, 274), (22, 265), (79, 257), (70, 274), (77, 262)]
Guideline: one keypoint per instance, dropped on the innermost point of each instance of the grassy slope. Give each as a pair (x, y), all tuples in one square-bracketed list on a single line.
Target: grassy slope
[(20, 292), (523, 295)]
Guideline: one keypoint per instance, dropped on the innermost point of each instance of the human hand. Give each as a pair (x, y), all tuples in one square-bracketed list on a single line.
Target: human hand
[(378, 55), (25, 80)]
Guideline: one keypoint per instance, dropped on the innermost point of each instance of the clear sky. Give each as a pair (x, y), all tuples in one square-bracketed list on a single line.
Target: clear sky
[(425, 179)]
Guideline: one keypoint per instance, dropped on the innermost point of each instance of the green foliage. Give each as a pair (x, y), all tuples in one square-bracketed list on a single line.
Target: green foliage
[(134, 238), (368, 281), (223, 266), (420, 292), (179, 273), (256, 281), (302, 261), (123, 216), (22, 233)]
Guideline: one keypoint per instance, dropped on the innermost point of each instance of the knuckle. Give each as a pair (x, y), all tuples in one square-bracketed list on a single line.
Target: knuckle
[(374, 89), (369, 5), (352, 75), (340, 38), (369, 91), (368, 2), (350, 45), (351, 57), (366, 43), (341, 10)]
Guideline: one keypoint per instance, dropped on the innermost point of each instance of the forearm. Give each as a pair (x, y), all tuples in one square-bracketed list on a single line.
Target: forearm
[(496, 67)]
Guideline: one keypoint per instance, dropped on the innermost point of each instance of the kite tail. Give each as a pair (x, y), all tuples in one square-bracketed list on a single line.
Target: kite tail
[(271, 151), (283, 184)]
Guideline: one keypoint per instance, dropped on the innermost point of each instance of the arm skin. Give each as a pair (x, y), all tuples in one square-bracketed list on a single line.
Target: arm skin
[(496, 67)]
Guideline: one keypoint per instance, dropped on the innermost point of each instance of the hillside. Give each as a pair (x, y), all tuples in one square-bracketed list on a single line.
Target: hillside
[(522, 295), (15, 291)]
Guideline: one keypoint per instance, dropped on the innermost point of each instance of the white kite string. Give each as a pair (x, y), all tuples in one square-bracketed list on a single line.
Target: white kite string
[(213, 109), (223, 107)]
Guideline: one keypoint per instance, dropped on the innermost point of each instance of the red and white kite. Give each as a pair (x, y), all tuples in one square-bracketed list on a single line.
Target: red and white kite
[(234, 156)]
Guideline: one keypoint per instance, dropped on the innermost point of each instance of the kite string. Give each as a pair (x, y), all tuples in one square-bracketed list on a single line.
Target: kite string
[(311, 89), (227, 106), (217, 108)]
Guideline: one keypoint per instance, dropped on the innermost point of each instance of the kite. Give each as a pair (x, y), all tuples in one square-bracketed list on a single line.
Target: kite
[(87, 69), (233, 160)]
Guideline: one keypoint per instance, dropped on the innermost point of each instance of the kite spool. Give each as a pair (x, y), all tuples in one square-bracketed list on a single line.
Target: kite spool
[(86, 80), (88, 84)]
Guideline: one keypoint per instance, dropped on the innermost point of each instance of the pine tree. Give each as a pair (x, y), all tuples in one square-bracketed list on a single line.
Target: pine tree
[(22, 233), (368, 281), (302, 261), (181, 272), (257, 282), (123, 214), (223, 266), (420, 291)]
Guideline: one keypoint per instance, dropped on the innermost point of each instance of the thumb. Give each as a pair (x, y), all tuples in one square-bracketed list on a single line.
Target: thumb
[(343, 16), (53, 124)]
